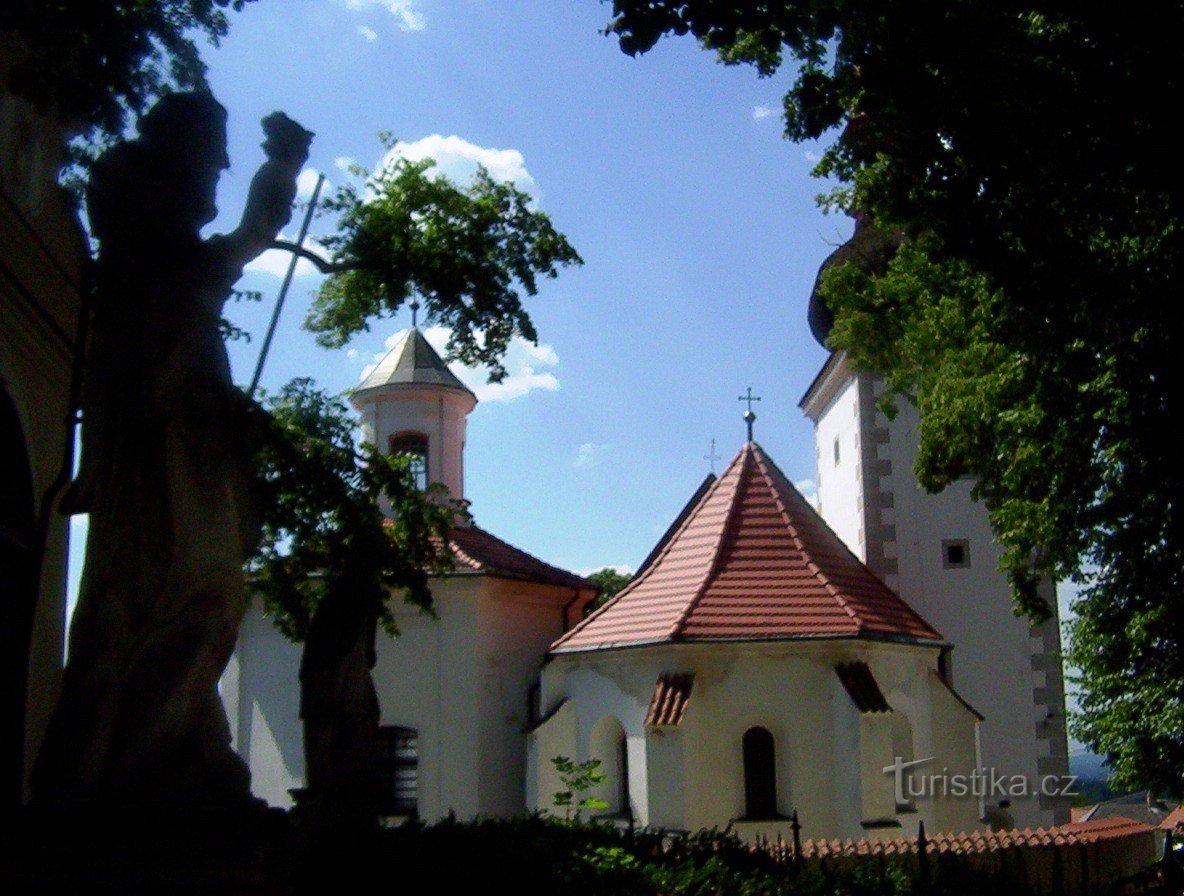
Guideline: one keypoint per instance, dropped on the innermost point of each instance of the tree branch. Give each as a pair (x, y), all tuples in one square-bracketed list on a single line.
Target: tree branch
[(325, 267)]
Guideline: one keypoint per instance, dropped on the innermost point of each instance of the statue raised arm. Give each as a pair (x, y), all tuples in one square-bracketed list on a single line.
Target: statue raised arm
[(167, 473)]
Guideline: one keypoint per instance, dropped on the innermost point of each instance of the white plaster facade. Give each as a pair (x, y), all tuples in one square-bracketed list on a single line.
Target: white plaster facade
[(462, 680), (1008, 669), (829, 757)]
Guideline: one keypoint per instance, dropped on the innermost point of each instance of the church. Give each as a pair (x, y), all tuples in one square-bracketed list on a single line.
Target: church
[(760, 663)]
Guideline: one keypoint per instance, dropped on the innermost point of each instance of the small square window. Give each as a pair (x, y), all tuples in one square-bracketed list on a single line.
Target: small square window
[(955, 553)]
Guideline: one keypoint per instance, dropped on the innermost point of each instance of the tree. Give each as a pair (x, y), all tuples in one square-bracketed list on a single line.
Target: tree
[(609, 581), (466, 251), (330, 558), (1017, 150), (328, 565), (94, 64)]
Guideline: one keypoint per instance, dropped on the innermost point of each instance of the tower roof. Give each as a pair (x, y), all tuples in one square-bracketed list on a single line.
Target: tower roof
[(751, 561), (412, 361)]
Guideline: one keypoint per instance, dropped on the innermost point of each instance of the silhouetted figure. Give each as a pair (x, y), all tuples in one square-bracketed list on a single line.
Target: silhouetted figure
[(167, 473)]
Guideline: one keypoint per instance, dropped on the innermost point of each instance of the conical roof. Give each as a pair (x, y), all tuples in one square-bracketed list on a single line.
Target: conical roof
[(751, 561), (412, 361)]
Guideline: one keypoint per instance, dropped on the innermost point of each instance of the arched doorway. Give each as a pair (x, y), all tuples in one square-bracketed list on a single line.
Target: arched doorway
[(18, 597)]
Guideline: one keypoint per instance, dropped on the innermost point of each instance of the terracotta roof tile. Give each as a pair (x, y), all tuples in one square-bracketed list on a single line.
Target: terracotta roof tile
[(752, 560), (986, 841), (476, 550), (861, 685), (672, 692)]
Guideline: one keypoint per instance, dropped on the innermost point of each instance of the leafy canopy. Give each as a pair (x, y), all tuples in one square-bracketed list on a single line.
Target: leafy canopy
[(468, 252), (610, 582), (93, 63), (1019, 149), (324, 527)]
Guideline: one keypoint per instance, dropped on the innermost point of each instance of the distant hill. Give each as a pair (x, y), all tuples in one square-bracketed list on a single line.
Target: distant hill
[(1089, 766), (1093, 777)]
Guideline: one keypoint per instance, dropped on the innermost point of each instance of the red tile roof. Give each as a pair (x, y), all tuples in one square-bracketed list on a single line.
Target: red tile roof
[(475, 550), (672, 692), (984, 841), (752, 560), (1174, 819), (861, 685)]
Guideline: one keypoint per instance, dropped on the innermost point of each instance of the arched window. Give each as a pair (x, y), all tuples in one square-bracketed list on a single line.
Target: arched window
[(760, 775), (414, 446), (397, 771), (610, 747)]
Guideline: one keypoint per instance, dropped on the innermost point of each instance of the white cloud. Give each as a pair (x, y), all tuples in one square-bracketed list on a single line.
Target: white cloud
[(812, 157), (306, 182), (457, 159), (274, 262), (588, 453), (759, 112), (529, 367), (408, 17), (809, 490), (367, 32)]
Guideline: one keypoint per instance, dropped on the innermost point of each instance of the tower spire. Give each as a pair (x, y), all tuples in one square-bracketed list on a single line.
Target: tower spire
[(749, 416)]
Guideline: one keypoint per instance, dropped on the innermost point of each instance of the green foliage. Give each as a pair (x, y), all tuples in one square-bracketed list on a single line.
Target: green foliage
[(467, 252), (92, 63), (578, 778), (610, 582), (1031, 314), (324, 529), (546, 856)]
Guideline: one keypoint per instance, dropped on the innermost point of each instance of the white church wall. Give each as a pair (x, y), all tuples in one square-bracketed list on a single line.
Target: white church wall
[(261, 693), (603, 687), (555, 736), (428, 680), (992, 663), (1005, 668), (957, 751), (829, 759), (516, 623), (836, 445)]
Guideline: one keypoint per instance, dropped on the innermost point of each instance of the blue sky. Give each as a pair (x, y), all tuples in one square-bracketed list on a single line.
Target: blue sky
[(669, 175)]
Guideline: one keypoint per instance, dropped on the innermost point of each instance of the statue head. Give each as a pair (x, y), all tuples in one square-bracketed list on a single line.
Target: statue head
[(186, 134), (286, 140)]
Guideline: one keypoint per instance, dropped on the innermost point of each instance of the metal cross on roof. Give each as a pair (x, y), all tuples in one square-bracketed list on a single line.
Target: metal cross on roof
[(711, 457), (749, 416)]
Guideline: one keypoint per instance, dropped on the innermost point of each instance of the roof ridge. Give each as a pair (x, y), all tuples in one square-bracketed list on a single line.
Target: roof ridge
[(800, 543), (912, 611), (742, 458), (646, 572)]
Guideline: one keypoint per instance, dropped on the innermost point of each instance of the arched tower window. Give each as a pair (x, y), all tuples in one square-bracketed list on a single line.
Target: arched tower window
[(414, 446), (760, 774)]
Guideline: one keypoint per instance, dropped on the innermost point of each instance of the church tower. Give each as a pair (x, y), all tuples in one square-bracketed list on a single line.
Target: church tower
[(937, 551), (412, 403)]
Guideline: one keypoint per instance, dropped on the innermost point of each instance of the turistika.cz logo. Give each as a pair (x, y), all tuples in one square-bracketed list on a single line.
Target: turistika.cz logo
[(911, 783)]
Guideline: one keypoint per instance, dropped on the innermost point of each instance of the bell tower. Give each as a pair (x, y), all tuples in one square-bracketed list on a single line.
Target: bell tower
[(412, 403)]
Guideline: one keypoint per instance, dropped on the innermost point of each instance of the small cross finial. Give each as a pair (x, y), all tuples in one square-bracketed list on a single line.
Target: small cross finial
[(414, 314), (711, 457), (749, 416)]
